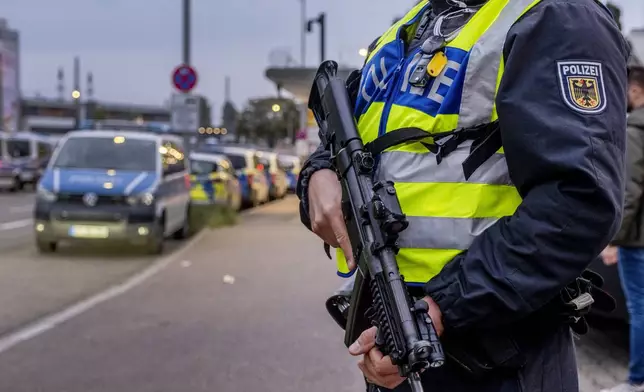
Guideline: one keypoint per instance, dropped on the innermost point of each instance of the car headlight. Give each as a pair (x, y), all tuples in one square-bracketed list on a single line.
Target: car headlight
[(45, 194), (146, 199)]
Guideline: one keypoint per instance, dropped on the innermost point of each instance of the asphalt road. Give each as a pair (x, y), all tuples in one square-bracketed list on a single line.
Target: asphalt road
[(15, 219), (34, 285), (185, 329), (239, 309)]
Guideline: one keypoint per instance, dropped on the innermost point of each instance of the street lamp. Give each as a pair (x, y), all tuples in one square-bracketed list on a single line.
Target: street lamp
[(363, 52), (76, 94), (321, 21), (276, 108)]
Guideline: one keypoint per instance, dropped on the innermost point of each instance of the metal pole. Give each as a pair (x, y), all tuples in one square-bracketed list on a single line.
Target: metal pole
[(186, 32), (77, 101), (303, 38), (322, 21), (2, 123)]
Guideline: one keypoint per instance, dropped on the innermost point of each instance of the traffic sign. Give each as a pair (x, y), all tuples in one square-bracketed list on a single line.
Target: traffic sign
[(184, 78), (185, 113)]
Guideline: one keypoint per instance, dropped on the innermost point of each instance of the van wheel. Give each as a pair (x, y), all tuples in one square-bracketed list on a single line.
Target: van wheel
[(46, 246), (17, 185), (155, 246), (184, 231)]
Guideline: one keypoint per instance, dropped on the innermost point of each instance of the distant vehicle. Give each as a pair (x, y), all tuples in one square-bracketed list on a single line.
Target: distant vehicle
[(214, 181), (23, 158), (254, 183), (114, 186), (275, 175), (291, 166), (126, 125)]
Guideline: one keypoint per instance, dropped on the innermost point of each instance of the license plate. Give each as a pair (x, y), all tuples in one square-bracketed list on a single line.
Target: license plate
[(6, 181), (89, 232)]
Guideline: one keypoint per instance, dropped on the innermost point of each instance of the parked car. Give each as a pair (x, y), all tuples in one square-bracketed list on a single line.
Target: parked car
[(23, 158), (275, 175), (254, 184), (214, 181), (291, 166), (114, 186)]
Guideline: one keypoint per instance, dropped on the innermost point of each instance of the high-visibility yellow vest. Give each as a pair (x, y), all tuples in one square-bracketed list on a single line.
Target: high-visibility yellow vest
[(446, 211)]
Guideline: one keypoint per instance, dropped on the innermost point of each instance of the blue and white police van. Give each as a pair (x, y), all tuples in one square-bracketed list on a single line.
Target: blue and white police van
[(106, 185)]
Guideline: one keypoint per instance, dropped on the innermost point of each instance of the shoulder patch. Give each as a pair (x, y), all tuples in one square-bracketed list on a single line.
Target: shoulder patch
[(582, 86)]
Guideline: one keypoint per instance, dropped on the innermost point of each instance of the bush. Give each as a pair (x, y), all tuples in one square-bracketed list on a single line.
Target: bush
[(211, 216)]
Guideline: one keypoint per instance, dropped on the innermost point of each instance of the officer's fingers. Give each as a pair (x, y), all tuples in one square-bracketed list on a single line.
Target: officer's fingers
[(365, 342), (382, 365), (342, 238), (323, 229), (389, 381), (371, 377)]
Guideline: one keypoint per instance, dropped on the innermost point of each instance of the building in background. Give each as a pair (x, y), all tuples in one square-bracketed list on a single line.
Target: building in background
[(9, 78), (57, 117), (298, 82), (636, 39)]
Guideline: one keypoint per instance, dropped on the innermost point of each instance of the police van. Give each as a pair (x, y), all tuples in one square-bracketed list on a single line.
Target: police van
[(23, 158), (214, 181), (255, 186), (121, 186), (275, 175)]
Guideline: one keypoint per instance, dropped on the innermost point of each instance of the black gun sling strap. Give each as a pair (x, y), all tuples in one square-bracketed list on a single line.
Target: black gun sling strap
[(486, 137)]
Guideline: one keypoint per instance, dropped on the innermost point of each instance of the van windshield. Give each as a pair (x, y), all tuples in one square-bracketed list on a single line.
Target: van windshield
[(238, 161), (18, 148), (119, 153), (202, 167)]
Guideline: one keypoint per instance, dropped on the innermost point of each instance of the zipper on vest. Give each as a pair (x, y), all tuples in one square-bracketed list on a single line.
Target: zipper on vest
[(390, 93)]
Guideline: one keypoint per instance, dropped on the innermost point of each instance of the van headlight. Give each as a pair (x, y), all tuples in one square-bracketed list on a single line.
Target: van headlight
[(45, 194), (146, 199)]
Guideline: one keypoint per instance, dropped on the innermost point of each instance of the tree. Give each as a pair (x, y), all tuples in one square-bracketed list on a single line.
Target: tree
[(205, 119), (269, 119), (617, 13), (230, 116)]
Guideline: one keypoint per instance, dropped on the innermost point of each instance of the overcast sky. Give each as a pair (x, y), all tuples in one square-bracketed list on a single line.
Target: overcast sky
[(131, 46)]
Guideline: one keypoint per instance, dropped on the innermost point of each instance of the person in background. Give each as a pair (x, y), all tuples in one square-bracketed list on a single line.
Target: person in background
[(628, 245)]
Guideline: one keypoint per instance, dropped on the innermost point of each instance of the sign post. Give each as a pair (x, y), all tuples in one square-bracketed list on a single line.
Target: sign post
[(185, 106), (185, 113), (184, 78)]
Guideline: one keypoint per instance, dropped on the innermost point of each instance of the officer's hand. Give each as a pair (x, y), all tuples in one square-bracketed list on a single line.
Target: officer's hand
[(610, 255), (377, 368), (325, 211)]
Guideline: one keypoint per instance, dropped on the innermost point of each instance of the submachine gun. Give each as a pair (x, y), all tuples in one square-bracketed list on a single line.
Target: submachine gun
[(379, 296)]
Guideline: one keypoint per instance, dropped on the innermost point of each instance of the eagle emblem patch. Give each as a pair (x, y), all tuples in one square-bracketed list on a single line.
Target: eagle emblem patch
[(582, 86)]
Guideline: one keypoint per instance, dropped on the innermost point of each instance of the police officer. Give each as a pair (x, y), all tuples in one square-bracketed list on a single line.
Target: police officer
[(496, 234)]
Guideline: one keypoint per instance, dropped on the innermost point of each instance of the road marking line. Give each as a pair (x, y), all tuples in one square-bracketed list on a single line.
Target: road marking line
[(47, 323), (16, 210), (15, 224)]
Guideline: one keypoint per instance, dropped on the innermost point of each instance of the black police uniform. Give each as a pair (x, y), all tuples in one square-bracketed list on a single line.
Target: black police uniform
[(568, 166)]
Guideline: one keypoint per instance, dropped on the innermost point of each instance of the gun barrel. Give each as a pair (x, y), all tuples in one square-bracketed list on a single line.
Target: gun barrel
[(414, 383)]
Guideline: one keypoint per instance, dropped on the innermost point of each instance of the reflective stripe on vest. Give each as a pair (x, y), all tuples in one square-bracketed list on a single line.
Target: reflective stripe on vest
[(445, 211)]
